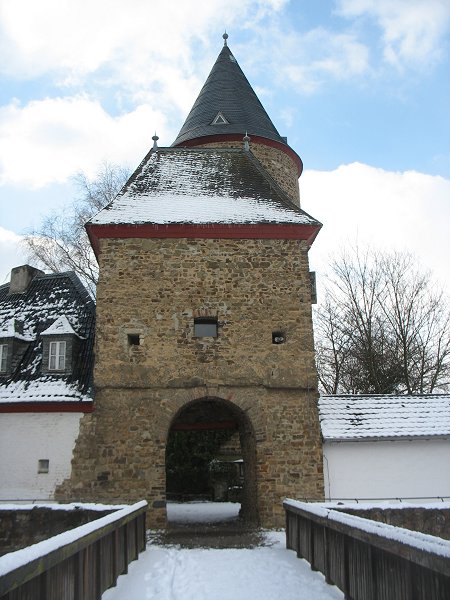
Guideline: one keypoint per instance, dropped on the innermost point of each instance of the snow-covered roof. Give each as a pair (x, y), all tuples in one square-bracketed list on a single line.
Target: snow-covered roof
[(353, 417), (201, 186), (60, 327), (9, 330), (43, 389), (56, 303)]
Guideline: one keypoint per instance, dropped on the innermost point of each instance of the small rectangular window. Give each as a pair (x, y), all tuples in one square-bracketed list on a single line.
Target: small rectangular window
[(134, 339), (3, 357), (205, 327), (43, 465), (57, 356)]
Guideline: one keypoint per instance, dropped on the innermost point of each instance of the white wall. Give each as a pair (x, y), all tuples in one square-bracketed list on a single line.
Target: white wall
[(394, 469), (24, 439)]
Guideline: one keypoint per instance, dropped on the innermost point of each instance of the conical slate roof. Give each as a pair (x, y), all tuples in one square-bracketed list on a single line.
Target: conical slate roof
[(227, 104)]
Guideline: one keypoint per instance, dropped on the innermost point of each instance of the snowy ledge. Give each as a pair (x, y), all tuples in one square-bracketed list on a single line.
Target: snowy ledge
[(381, 534), (60, 544)]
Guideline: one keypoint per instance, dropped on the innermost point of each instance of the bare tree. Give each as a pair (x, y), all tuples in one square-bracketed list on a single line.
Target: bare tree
[(382, 327), (61, 242)]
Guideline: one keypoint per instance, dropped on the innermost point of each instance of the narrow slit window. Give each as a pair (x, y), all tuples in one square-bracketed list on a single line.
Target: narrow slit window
[(205, 327), (57, 356), (3, 357)]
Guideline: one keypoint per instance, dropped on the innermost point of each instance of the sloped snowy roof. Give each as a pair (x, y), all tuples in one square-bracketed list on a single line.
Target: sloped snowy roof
[(9, 330), (201, 186), (352, 417), (50, 301), (60, 327)]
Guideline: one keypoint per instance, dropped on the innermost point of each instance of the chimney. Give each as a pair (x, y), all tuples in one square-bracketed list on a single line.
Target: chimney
[(21, 277)]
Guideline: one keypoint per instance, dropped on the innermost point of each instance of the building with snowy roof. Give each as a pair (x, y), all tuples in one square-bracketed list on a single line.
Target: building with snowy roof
[(46, 350), (384, 447), (204, 310)]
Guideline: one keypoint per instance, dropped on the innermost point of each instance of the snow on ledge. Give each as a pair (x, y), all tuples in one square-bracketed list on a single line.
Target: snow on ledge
[(19, 558), (415, 539)]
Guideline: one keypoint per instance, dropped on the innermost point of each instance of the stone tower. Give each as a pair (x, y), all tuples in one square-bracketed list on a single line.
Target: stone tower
[(204, 311)]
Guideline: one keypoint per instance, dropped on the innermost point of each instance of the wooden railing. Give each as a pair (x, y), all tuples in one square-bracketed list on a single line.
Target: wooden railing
[(368, 560), (79, 564)]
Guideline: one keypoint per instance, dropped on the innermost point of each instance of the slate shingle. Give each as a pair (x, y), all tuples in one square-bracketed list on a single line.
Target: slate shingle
[(353, 417), (202, 186), (227, 91), (47, 298)]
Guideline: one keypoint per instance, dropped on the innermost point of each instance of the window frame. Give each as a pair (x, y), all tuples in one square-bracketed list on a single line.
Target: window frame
[(59, 355), (3, 358), (205, 322)]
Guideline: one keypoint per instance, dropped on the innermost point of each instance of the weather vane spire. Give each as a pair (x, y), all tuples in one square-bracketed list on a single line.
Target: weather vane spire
[(225, 37)]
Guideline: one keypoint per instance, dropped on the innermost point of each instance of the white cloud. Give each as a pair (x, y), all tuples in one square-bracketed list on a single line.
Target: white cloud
[(393, 210), (11, 253), (413, 30), (80, 36), (309, 59), (50, 140)]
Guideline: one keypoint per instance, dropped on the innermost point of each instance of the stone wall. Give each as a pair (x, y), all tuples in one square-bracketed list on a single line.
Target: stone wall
[(154, 288), (279, 164), (22, 527)]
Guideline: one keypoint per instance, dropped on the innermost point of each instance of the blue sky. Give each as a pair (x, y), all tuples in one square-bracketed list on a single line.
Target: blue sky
[(361, 88)]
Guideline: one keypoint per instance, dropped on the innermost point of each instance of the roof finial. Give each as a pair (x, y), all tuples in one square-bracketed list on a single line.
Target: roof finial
[(225, 37), (246, 142), (155, 138)]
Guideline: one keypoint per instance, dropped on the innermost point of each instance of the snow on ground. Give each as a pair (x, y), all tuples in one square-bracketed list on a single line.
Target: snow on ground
[(202, 512), (264, 573)]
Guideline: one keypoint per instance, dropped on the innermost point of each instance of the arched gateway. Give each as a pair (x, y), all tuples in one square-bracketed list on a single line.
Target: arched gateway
[(205, 296), (216, 421)]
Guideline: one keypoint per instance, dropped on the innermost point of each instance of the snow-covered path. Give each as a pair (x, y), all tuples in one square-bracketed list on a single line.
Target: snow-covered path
[(264, 573)]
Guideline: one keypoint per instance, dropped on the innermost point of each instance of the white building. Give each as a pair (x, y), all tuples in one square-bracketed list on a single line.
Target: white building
[(46, 360), (382, 447)]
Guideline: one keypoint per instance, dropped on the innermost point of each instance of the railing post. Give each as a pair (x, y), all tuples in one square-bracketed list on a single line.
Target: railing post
[(78, 576), (99, 569), (311, 546), (298, 521), (326, 548), (346, 569), (125, 547)]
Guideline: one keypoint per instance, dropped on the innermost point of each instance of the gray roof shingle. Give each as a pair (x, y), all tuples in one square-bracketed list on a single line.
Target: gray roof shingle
[(353, 417), (227, 91), (201, 186), (48, 298)]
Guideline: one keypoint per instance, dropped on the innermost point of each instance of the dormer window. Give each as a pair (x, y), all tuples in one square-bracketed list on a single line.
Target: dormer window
[(61, 344), (3, 357), (57, 356), (219, 119)]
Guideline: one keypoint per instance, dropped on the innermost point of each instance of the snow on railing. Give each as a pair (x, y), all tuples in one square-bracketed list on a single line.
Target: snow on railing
[(368, 559), (81, 563)]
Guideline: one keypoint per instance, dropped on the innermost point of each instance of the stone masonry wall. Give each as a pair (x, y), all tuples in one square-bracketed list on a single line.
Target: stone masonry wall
[(154, 288), (279, 164)]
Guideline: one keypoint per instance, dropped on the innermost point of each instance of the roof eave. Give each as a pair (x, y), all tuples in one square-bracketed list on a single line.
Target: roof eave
[(306, 232)]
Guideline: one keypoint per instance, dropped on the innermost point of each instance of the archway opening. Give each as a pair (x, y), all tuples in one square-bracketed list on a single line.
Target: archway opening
[(211, 464)]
